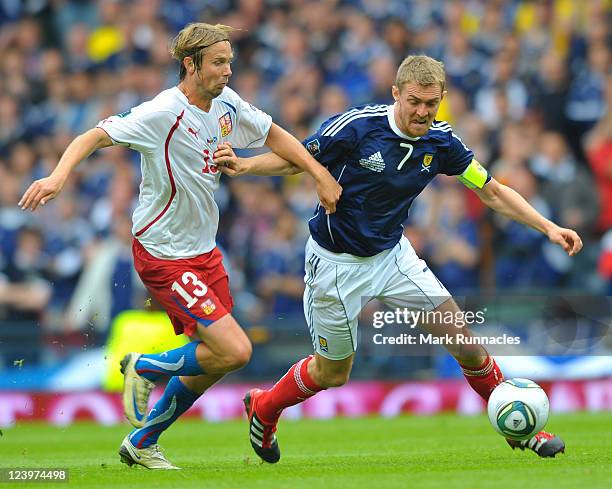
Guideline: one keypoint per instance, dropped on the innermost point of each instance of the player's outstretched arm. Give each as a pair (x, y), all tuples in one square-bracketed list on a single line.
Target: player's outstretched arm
[(287, 147), (266, 164), (512, 205), (43, 190)]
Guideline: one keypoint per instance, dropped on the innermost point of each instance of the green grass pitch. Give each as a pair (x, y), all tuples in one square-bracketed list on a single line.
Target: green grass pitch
[(445, 451)]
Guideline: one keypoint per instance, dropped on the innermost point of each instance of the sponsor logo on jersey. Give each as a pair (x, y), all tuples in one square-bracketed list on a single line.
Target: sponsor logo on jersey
[(208, 306), (426, 165), (212, 140), (375, 162), (225, 122), (323, 343), (193, 131), (313, 147)]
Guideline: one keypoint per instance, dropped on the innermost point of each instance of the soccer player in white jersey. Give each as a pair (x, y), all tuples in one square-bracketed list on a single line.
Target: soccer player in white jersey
[(175, 224), (383, 156)]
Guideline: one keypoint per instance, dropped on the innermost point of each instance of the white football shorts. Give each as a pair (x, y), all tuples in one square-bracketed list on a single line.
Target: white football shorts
[(338, 285)]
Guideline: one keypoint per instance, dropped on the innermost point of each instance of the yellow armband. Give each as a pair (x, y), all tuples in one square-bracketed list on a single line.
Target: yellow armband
[(474, 176)]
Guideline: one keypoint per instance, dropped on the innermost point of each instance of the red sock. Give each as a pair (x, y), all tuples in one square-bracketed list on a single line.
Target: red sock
[(293, 387), (484, 378)]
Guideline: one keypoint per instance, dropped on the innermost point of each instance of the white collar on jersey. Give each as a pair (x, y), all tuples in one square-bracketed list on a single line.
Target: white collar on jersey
[(397, 130), (183, 97)]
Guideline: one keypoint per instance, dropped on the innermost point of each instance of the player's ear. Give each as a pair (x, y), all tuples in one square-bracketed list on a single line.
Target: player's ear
[(188, 64), (395, 92)]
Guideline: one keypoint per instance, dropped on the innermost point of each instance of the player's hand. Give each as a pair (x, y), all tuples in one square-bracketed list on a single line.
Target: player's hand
[(329, 191), (41, 191), (228, 162), (568, 239)]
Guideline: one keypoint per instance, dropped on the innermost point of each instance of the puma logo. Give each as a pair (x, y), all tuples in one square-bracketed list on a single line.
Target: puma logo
[(195, 133)]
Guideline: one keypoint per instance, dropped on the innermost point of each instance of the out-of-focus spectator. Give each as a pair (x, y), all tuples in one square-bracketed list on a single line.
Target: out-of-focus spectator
[(25, 289), (360, 46), (605, 262), (75, 46), (398, 38), (560, 174), (333, 100), (488, 39), (22, 160), (108, 284), (549, 92), (11, 125), (11, 218), (475, 135), (504, 97), (532, 22), (453, 239), (585, 101), (68, 233), (301, 196), (280, 269), (381, 72), (463, 65), (599, 153), (514, 152), (119, 201), (520, 261)]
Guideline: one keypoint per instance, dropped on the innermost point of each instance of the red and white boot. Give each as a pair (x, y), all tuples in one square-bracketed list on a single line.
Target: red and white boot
[(263, 439), (543, 444)]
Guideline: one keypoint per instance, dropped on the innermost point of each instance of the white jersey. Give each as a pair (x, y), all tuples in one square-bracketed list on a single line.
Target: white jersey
[(177, 216)]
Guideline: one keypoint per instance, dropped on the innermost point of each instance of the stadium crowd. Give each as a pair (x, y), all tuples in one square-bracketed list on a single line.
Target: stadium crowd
[(529, 90)]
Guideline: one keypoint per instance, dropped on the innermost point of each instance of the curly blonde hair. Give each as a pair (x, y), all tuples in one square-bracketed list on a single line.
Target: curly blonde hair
[(194, 38)]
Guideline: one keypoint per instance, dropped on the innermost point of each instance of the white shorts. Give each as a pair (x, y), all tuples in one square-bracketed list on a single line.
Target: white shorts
[(338, 285)]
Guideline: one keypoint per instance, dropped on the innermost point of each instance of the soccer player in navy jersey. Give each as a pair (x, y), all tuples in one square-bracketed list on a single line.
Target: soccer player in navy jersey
[(383, 157)]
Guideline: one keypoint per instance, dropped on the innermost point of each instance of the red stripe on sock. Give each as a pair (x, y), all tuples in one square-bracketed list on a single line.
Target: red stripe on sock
[(294, 387), (143, 439), (141, 370), (482, 366), (484, 384)]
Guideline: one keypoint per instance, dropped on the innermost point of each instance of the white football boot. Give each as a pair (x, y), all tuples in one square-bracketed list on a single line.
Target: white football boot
[(150, 457), (136, 391)]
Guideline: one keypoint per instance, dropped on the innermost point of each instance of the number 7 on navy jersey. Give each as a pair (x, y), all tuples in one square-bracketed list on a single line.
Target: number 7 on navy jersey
[(405, 158)]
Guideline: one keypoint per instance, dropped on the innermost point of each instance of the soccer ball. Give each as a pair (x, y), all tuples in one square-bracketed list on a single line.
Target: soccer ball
[(518, 409)]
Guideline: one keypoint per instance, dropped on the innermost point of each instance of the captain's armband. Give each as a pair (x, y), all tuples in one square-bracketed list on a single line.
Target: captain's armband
[(474, 176)]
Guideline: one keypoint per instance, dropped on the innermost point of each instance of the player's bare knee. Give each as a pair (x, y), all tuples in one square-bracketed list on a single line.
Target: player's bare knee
[(242, 355), (237, 358)]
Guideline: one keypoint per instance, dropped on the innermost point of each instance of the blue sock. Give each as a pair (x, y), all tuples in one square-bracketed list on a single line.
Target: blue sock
[(175, 401), (181, 361)]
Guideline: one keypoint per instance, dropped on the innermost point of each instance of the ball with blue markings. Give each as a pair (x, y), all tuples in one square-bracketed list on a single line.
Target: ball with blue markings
[(518, 409)]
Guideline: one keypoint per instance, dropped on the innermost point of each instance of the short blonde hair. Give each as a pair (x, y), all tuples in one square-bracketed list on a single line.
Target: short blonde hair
[(421, 70), (194, 38)]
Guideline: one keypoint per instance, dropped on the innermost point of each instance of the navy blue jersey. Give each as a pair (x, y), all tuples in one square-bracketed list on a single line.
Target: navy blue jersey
[(381, 171)]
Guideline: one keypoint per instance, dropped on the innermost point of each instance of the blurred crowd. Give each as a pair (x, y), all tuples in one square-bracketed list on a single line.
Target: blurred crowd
[(529, 90)]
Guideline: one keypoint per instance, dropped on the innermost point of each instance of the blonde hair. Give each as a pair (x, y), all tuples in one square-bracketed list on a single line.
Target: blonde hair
[(421, 70), (194, 38)]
